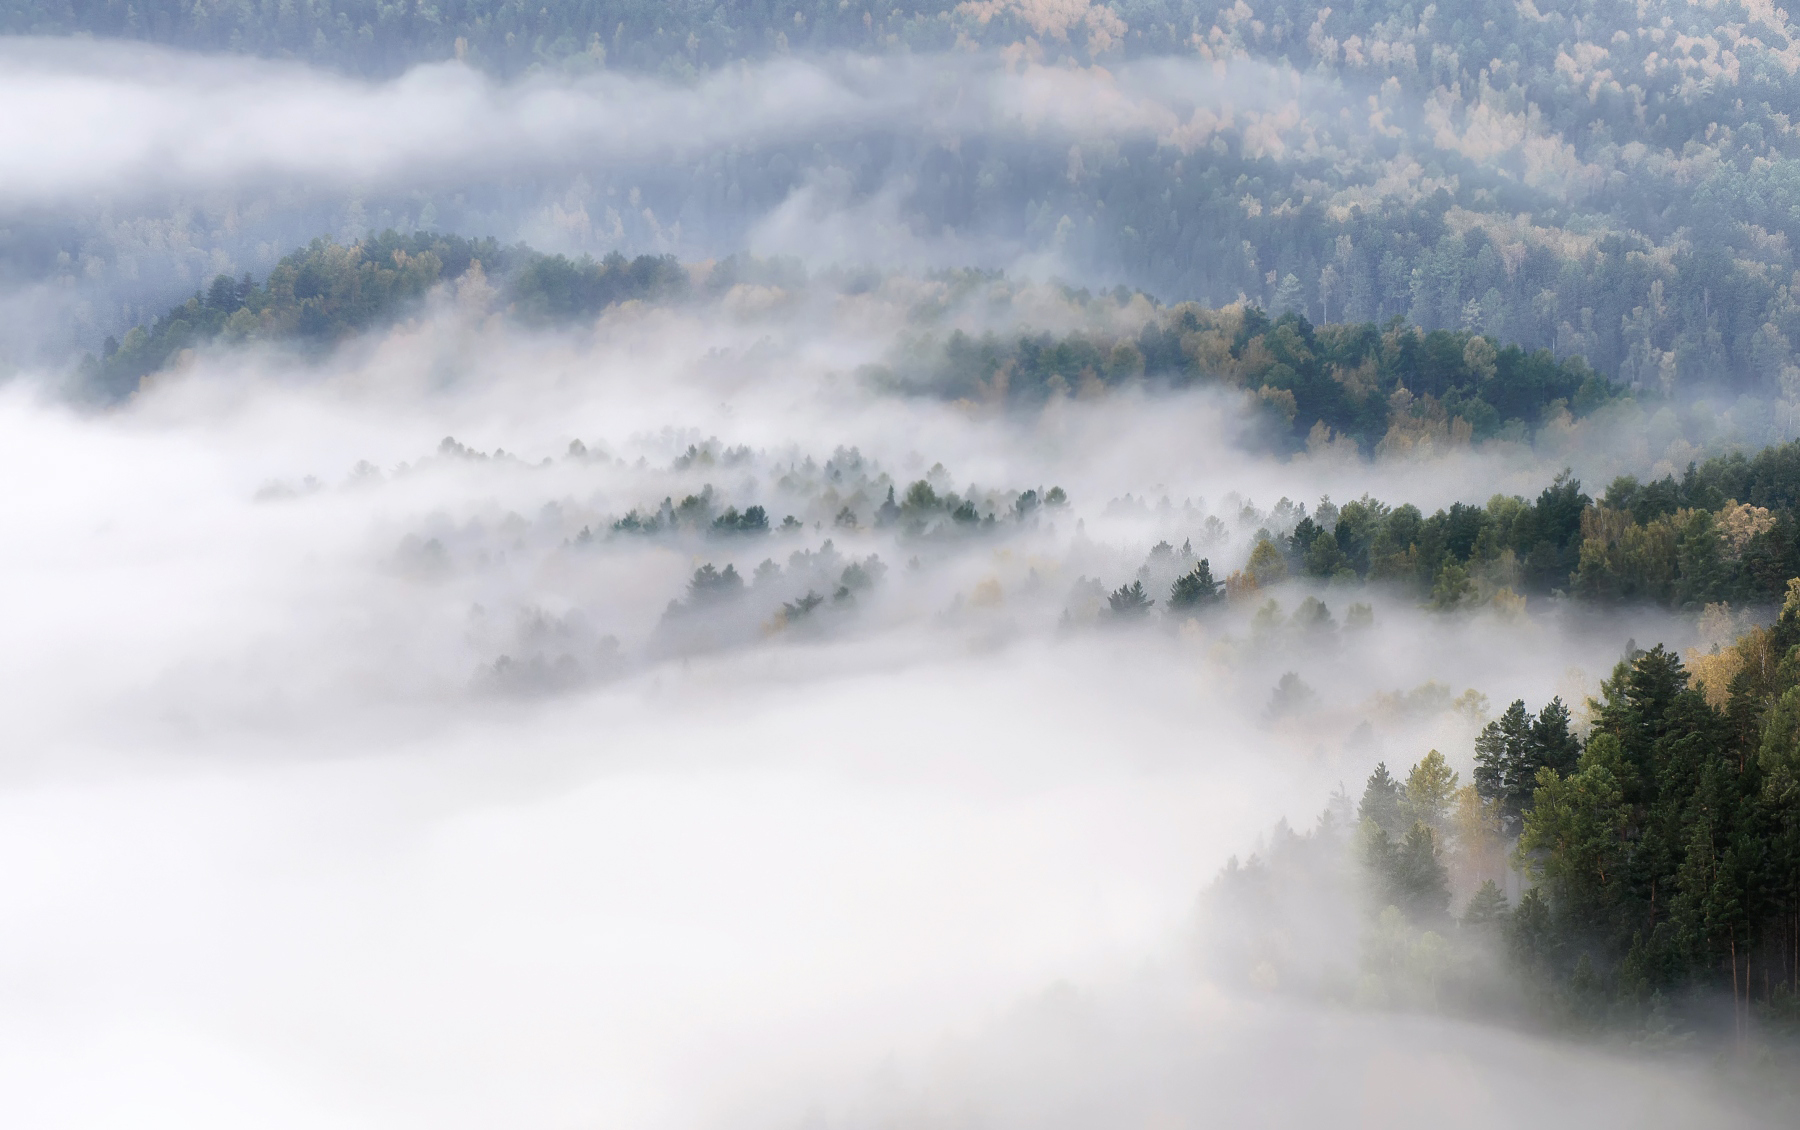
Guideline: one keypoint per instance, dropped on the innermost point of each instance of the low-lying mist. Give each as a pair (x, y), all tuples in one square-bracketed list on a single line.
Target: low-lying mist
[(388, 747), (214, 121)]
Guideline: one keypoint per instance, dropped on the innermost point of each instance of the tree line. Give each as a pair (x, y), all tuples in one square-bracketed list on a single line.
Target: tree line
[(325, 292), (1387, 387), (1726, 531)]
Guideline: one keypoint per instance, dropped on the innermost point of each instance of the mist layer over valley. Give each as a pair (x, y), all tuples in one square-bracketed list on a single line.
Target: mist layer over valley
[(372, 774), (830, 569)]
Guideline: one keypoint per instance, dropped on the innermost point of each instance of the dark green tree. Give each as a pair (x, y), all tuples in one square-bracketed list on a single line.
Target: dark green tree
[(1128, 602), (1381, 803), (1487, 906), (710, 585), (1503, 765), (1195, 591)]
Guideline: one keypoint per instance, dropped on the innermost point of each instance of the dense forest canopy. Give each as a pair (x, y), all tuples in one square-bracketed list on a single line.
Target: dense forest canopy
[(1661, 851), (1388, 388)]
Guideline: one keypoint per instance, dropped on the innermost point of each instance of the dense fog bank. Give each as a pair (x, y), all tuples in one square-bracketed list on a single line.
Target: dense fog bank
[(297, 845)]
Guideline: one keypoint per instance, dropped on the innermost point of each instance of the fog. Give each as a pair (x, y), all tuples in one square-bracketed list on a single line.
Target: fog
[(283, 851), (138, 119), (385, 749), (153, 170), (130, 175)]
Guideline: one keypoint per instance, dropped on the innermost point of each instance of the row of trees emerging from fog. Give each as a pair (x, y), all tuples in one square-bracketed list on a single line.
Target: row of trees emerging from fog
[(1726, 532), (324, 292), (1385, 387), (1389, 387)]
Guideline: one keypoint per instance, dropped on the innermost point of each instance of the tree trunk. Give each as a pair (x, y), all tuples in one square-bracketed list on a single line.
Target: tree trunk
[(1737, 1029)]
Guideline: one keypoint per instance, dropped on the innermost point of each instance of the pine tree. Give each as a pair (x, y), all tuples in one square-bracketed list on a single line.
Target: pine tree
[(1486, 906), (1531, 931), (888, 512), (1503, 771), (1633, 705), (1554, 745), (1574, 838), (1290, 697), (1128, 602), (1381, 801), (710, 584), (1194, 591), (1430, 787), (1417, 882)]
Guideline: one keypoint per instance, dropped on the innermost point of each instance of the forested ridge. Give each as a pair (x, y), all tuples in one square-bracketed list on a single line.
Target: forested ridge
[(1725, 534), (327, 291), (1615, 181), (1727, 531), (1390, 388)]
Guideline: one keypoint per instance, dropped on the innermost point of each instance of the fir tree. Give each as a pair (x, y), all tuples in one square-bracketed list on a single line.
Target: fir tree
[(1194, 591), (1381, 801)]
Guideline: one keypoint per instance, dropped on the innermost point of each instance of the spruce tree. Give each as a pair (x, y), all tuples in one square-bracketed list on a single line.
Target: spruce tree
[(1194, 591), (1381, 801)]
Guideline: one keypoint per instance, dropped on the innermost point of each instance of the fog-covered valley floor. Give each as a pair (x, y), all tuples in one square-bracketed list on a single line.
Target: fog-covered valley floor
[(357, 778)]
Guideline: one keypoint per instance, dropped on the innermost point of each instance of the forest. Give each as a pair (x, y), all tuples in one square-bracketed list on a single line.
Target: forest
[(1662, 852), (1724, 532), (1389, 388), (1725, 536), (322, 294), (1604, 183)]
